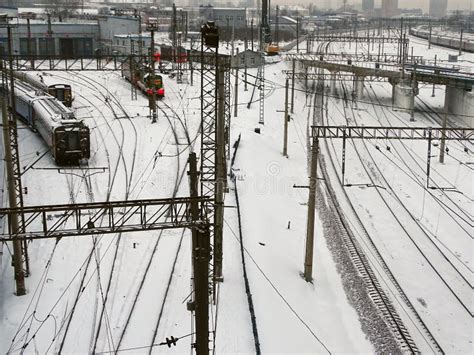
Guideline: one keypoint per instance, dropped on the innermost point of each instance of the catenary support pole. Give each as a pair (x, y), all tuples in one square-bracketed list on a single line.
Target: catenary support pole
[(308, 262), (17, 252), (220, 164), (236, 87), (285, 122), (152, 76), (442, 143), (200, 260), (293, 85), (433, 91), (30, 54)]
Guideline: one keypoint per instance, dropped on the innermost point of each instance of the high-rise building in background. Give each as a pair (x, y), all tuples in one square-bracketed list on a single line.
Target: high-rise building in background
[(389, 8), (368, 6), (438, 8)]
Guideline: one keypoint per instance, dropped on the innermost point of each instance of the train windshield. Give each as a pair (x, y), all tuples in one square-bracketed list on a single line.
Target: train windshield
[(60, 94)]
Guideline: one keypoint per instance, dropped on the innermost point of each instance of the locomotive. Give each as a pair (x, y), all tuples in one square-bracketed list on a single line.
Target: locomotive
[(143, 80), (61, 91), (67, 137)]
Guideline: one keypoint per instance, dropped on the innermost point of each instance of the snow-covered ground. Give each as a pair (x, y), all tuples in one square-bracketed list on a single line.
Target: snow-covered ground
[(143, 278)]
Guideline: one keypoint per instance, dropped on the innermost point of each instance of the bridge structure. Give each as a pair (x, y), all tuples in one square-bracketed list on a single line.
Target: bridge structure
[(404, 78)]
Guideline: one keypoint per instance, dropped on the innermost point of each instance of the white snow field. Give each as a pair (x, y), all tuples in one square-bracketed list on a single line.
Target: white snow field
[(128, 292)]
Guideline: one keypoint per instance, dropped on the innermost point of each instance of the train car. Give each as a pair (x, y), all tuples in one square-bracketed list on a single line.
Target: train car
[(142, 80), (47, 84), (445, 40), (67, 137)]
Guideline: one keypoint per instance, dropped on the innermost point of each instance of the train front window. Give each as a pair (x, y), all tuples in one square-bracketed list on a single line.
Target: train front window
[(73, 141), (60, 94)]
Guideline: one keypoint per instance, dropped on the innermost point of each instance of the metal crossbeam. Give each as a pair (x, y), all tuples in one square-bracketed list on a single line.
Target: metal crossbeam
[(354, 57), (315, 76), (103, 62), (350, 38), (57, 221), (377, 132)]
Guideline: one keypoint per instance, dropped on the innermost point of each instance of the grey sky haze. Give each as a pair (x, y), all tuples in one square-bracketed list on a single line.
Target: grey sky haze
[(423, 4)]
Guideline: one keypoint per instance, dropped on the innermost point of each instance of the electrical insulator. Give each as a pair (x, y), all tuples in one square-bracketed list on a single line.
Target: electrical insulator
[(171, 341)]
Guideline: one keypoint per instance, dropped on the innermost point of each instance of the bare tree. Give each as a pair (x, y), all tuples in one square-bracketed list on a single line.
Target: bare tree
[(62, 8)]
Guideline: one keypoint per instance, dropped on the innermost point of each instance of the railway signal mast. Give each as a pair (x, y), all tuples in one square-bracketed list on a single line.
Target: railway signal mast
[(152, 26), (265, 39)]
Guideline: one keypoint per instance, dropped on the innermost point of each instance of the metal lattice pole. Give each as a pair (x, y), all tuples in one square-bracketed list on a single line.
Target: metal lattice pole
[(227, 110), (209, 55), (133, 87)]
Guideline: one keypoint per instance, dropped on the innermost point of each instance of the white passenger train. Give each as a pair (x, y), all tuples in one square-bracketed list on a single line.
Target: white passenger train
[(66, 136)]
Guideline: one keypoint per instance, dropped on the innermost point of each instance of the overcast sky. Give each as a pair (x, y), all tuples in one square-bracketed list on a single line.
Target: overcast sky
[(423, 4)]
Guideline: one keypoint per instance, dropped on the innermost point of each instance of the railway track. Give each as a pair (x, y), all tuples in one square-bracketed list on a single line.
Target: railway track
[(373, 291), (385, 184), (91, 84)]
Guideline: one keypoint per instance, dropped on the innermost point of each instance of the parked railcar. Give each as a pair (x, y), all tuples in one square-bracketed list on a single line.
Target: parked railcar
[(66, 136), (142, 80), (443, 40), (61, 91)]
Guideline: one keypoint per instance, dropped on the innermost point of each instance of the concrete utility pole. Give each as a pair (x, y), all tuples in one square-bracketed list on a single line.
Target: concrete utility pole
[(277, 22), (220, 174), (236, 87), (251, 31), (17, 250), (32, 60), (245, 60), (191, 58), (433, 92), (140, 40), (297, 35), (49, 41), (201, 257), (429, 38), (413, 85), (443, 128), (308, 261), (293, 85), (285, 122)]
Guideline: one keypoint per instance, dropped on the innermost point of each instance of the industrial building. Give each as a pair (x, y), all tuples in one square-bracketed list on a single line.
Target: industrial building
[(67, 39), (224, 17)]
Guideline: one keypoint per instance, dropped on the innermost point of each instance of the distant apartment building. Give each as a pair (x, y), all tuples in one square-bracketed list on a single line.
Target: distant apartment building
[(389, 8), (438, 8), (368, 6)]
